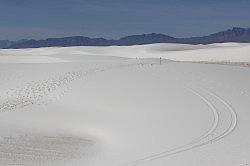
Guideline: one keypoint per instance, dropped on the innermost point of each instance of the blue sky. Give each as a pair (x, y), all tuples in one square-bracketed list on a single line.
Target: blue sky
[(116, 18)]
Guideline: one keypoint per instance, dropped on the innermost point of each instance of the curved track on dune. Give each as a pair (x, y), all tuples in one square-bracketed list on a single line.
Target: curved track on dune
[(212, 135)]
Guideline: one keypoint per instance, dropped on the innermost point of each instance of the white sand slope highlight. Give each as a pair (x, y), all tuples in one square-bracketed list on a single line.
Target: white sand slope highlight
[(101, 108), (29, 59)]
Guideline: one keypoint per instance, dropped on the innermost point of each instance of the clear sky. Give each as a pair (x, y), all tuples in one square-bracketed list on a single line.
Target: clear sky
[(115, 18)]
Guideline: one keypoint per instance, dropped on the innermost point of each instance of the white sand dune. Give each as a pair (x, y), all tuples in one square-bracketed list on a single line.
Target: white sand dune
[(119, 106)]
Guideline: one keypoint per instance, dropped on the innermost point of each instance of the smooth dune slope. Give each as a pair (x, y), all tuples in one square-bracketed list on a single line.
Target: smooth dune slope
[(122, 106)]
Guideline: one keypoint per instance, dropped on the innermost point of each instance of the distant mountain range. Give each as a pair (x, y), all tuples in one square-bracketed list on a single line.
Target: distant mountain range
[(232, 35)]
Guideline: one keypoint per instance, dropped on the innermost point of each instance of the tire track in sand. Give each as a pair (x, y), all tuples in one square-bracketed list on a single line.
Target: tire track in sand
[(212, 135)]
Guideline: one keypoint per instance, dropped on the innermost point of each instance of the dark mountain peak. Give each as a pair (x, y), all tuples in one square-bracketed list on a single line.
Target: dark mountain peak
[(236, 31), (235, 34), (145, 39), (150, 36)]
